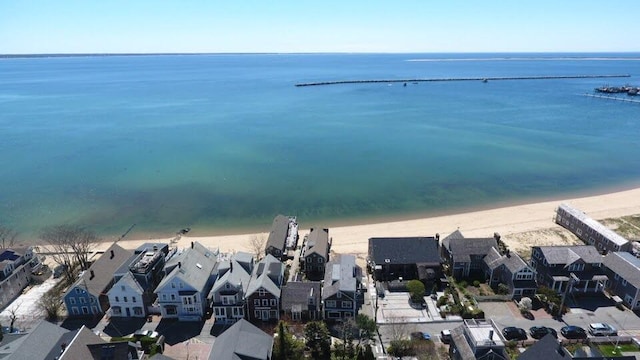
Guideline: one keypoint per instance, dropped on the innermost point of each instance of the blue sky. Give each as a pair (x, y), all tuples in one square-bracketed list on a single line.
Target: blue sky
[(140, 26)]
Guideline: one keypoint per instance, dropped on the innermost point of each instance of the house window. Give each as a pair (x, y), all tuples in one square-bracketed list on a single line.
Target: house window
[(624, 282), (616, 276), (256, 302), (117, 299), (125, 299), (94, 310), (83, 300), (116, 310), (122, 288), (92, 300), (77, 291), (133, 298), (628, 299), (85, 310), (171, 310), (72, 301), (257, 313), (320, 260), (180, 285), (173, 297), (173, 285), (137, 310), (265, 302), (261, 292), (576, 267), (339, 295), (579, 232), (74, 310), (273, 302), (225, 301), (346, 304), (331, 303), (164, 296)]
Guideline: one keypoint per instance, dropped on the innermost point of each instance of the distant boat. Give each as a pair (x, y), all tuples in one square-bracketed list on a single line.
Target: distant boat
[(485, 80)]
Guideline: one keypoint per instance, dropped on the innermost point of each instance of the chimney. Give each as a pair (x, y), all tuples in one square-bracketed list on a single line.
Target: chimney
[(496, 236), (438, 236), (508, 253), (63, 347), (179, 264), (192, 244), (491, 335), (112, 255), (92, 275)]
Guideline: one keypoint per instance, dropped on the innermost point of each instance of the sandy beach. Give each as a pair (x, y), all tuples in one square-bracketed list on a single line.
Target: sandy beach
[(520, 226)]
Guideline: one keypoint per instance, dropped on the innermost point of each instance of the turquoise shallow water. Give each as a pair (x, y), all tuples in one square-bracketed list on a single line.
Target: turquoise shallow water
[(222, 142)]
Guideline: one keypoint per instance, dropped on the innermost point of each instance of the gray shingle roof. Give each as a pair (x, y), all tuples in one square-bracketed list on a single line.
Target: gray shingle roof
[(595, 225), (340, 275), (546, 348), (462, 249), (278, 234), (454, 235), (404, 250), (267, 274), (237, 275), (318, 242), (513, 261), (37, 344), (78, 348), (242, 341), (196, 265), (298, 293), (99, 276), (569, 254), (625, 265)]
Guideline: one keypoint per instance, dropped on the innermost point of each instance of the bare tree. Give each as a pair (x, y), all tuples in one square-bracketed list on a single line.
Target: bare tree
[(7, 237), (256, 245), (70, 245), (13, 316), (399, 329), (51, 304)]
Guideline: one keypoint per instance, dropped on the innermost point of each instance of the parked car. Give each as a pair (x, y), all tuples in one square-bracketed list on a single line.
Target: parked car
[(538, 332), (145, 333), (445, 336), (420, 335), (573, 332), (514, 333), (602, 329)]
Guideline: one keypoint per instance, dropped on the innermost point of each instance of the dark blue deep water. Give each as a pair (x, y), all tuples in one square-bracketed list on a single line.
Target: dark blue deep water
[(224, 142)]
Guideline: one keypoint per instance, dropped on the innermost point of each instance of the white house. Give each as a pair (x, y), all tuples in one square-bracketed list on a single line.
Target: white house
[(183, 292), (125, 298)]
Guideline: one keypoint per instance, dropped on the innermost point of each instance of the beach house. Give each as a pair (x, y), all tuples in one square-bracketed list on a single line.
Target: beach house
[(182, 293), (405, 258), (623, 270), (136, 280), (477, 339), (227, 297), (464, 256), (512, 271), (315, 253), (591, 231), (341, 288), (577, 268), (88, 295), (263, 293), (302, 300), (16, 265), (282, 237)]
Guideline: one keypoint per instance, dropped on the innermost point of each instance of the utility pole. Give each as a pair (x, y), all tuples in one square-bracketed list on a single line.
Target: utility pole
[(573, 279)]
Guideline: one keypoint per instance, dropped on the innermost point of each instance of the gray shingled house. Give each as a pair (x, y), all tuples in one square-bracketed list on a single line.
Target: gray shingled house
[(263, 293), (282, 237), (510, 269), (228, 292), (577, 266), (464, 256), (241, 341), (315, 253), (341, 288), (409, 258), (302, 300), (623, 270)]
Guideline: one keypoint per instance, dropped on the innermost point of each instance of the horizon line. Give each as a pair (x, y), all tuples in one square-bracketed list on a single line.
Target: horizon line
[(80, 54)]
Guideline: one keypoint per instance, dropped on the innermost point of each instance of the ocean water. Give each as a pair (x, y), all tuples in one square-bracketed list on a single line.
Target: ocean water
[(225, 142)]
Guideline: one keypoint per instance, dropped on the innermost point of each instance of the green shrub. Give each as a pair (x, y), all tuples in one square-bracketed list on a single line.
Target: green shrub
[(476, 283), (442, 300), (463, 284)]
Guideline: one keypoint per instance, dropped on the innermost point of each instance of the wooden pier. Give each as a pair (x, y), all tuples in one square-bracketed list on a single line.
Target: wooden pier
[(616, 98), (483, 79)]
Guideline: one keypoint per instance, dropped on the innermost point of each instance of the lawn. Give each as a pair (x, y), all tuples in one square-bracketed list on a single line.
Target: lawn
[(608, 350)]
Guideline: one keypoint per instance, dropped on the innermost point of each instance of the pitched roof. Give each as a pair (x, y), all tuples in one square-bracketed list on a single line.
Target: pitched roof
[(595, 225), (268, 274), (242, 341), (511, 261), (195, 267), (340, 275), (130, 281), (78, 347), (98, 277), (454, 235), (278, 234), (569, 254), (112, 350), (318, 242), (404, 250), (238, 274), (463, 249), (625, 265), (298, 293), (546, 348), (42, 340)]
